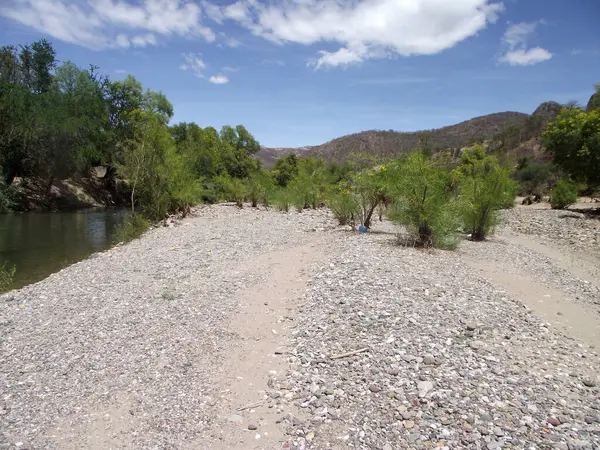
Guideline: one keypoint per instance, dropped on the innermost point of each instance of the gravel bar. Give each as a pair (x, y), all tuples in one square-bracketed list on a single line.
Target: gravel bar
[(390, 348)]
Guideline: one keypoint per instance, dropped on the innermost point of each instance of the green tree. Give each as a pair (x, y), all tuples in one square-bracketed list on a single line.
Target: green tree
[(573, 139), (285, 169), (422, 201), (484, 188)]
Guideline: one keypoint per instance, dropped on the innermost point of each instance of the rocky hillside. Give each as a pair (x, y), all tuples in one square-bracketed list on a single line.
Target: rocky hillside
[(393, 143)]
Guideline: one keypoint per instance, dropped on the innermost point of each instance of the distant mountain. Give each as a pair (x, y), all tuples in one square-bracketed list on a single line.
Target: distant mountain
[(393, 143)]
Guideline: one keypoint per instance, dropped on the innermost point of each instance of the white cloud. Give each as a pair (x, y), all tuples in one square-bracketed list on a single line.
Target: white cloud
[(194, 63), (366, 29), (121, 71), (526, 57), (515, 41), (233, 43), (230, 69), (100, 24), (218, 79)]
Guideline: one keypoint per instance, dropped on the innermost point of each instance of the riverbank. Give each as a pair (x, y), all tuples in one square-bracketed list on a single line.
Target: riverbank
[(33, 194), (231, 330)]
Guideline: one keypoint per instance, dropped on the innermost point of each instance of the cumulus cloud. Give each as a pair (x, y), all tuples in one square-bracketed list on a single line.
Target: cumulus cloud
[(194, 63), (218, 79), (109, 23), (365, 29), (516, 52)]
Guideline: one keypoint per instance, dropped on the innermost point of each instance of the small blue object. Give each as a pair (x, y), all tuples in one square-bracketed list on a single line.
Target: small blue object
[(362, 229)]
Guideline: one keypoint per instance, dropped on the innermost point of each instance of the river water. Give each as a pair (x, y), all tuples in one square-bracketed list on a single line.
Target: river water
[(39, 244)]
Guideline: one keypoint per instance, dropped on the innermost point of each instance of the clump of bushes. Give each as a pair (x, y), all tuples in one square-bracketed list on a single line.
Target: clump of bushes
[(564, 194), (423, 202), (7, 275), (484, 187), (131, 228)]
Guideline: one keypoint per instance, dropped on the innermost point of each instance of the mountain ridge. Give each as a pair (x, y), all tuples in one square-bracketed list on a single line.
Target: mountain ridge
[(395, 143)]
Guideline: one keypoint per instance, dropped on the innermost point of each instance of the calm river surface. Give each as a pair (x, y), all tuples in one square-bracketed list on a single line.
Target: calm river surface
[(39, 244)]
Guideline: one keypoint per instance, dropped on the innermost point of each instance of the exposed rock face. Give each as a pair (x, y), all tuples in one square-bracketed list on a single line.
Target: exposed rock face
[(548, 110), (594, 102)]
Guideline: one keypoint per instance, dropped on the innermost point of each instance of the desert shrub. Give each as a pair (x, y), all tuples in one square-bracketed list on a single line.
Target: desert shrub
[(282, 200), (484, 188), (342, 204), (7, 275), (254, 190), (533, 177), (259, 188), (131, 228), (422, 202), (230, 189), (563, 194)]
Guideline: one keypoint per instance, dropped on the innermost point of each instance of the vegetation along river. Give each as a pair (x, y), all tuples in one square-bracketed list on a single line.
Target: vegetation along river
[(39, 244)]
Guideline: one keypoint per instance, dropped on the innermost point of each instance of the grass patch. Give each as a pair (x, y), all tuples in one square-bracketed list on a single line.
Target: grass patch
[(131, 228), (7, 275)]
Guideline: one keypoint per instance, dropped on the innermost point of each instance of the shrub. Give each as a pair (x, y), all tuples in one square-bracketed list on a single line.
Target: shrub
[(230, 189), (131, 228), (422, 201), (484, 187), (533, 177), (7, 275), (282, 200), (563, 194), (342, 204), (259, 187), (368, 192)]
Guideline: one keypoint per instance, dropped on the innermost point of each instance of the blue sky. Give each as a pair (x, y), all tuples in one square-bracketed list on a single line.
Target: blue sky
[(302, 72)]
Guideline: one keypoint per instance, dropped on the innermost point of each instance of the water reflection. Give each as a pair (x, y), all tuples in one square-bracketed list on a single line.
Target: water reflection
[(42, 243)]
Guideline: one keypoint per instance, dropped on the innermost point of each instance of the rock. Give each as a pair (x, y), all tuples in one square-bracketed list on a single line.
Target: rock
[(590, 420), (428, 359), (235, 418), (387, 446), (498, 431), (374, 388), (424, 387), (589, 382), (476, 345), (252, 426), (553, 421), (409, 424)]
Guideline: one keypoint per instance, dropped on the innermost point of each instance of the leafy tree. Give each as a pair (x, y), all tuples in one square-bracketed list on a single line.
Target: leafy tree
[(484, 188), (285, 169), (574, 141)]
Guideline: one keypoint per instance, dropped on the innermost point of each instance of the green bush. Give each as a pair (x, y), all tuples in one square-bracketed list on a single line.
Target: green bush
[(7, 275), (422, 202), (131, 228), (484, 187), (259, 188), (282, 200), (533, 177), (342, 204), (563, 194)]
